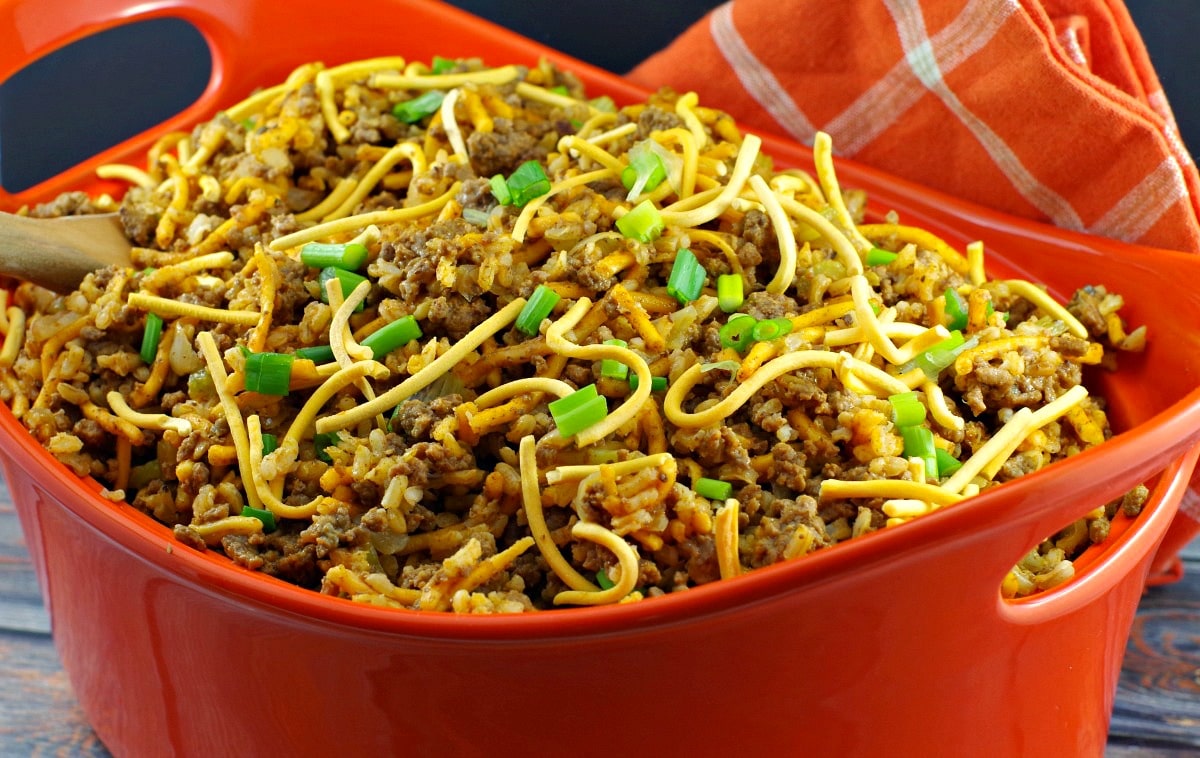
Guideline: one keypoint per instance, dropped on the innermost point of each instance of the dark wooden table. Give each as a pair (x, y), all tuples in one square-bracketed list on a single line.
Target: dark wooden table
[(1157, 711)]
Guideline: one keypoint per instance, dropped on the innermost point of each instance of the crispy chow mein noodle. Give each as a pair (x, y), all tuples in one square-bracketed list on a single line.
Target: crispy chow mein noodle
[(449, 337)]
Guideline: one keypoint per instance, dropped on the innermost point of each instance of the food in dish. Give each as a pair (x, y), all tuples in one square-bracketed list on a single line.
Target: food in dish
[(451, 337)]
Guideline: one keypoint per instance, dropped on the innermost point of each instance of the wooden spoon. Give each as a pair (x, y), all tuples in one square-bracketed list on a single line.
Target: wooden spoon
[(57, 253)]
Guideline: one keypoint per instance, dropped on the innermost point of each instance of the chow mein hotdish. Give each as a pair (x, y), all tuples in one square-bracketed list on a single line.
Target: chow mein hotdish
[(449, 337)]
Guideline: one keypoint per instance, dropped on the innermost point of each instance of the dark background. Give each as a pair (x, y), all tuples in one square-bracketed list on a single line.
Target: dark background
[(614, 34)]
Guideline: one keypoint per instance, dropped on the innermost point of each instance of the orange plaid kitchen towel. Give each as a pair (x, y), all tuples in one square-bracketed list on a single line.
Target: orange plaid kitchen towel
[(1048, 110)]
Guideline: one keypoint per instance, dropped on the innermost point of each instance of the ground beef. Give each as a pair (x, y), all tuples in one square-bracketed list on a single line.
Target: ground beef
[(140, 212), (330, 530), (655, 119), (456, 315), (765, 305), (772, 534), (504, 148), (67, 204), (1086, 305), (476, 194), (699, 556), (281, 555), (416, 418)]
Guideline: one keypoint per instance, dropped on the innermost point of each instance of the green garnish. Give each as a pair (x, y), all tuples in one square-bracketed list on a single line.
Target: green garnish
[(713, 489), (441, 65), (877, 256), (657, 383), (322, 441), (421, 106), (770, 329), (947, 464), (269, 373), (738, 332), (349, 256), (907, 409), (614, 369), (730, 295), (645, 170), (151, 337), (349, 280), (392, 335), (583, 408), (317, 354), (539, 306), (527, 182), (687, 277), (643, 222), (266, 517), (918, 443)]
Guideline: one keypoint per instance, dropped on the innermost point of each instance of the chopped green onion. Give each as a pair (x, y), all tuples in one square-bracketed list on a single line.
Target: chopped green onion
[(687, 277), (603, 580), (349, 281), (317, 354), (583, 408), (270, 442), (322, 441), (537, 308), (918, 443), (730, 366), (527, 182), (392, 335), (476, 216), (940, 355), (713, 489), (738, 332), (729, 292), (349, 256), (770, 329), (907, 409), (947, 464), (614, 369), (269, 373), (561, 89), (643, 222), (266, 517), (200, 385), (151, 337), (500, 190), (440, 65), (604, 103), (645, 170), (657, 383), (956, 309), (421, 106), (877, 256), (574, 401), (140, 476)]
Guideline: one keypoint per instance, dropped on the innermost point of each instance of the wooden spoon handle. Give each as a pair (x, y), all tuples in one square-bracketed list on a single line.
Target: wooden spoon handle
[(59, 253)]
